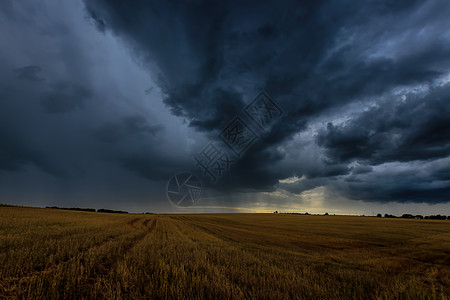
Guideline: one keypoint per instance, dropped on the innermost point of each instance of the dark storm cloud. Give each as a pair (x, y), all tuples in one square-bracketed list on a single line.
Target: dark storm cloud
[(413, 131), (127, 127), (99, 23), (29, 73), (63, 97), (65, 115), (17, 153), (74, 103), (210, 51), (314, 58), (12, 154), (416, 128), (414, 182)]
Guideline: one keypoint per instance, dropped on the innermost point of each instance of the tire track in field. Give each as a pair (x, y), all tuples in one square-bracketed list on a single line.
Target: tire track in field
[(13, 288), (211, 267), (255, 252), (13, 284), (131, 222), (221, 231), (259, 256), (114, 261)]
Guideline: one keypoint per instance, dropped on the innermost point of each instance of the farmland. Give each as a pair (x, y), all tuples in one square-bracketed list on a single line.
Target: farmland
[(72, 255)]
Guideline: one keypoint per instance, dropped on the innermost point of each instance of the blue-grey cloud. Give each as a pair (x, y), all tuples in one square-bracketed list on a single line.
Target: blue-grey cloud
[(315, 59), (102, 90)]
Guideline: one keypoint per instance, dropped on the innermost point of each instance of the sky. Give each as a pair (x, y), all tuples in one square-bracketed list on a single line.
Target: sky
[(104, 103)]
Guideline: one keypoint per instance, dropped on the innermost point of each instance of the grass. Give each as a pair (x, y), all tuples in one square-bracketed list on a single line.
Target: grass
[(47, 253)]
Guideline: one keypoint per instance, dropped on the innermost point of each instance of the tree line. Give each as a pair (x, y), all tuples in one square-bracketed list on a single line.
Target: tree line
[(404, 216), (101, 210), (410, 216)]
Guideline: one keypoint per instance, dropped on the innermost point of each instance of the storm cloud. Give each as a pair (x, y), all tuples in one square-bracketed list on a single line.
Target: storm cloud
[(140, 87)]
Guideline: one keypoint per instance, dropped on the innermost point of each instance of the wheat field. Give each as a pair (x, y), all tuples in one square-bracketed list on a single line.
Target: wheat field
[(56, 254)]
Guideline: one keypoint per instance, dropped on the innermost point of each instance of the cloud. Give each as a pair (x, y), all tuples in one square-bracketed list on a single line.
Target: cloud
[(416, 128), (210, 59), (63, 97), (126, 128), (425, 182), (30, 73), (73, 128), (106, 90)]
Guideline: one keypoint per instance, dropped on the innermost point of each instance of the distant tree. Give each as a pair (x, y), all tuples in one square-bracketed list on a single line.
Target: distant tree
[(326, 214), (275, 212), (379, 216), (389, 216), (102, 210), (437, 217)]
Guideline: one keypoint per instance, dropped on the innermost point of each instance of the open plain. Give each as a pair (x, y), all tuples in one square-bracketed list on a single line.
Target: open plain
[(50, 253)]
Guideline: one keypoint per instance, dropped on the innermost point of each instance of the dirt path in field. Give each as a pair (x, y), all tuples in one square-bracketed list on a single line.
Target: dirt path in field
[(9, 285), (113, 262), (12, 287)]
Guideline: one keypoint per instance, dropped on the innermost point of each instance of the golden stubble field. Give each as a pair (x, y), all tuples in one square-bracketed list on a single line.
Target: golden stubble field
[(46, 253)]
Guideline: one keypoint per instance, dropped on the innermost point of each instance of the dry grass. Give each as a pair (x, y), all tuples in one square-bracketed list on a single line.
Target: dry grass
[(48, 253)]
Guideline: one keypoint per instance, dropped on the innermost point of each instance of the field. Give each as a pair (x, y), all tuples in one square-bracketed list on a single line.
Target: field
[(49, 253)]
